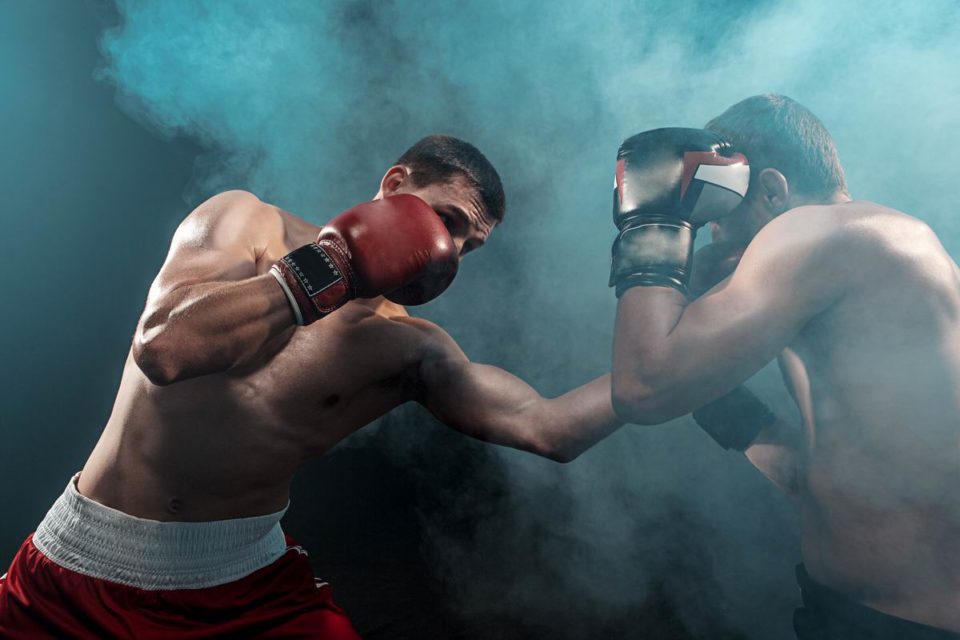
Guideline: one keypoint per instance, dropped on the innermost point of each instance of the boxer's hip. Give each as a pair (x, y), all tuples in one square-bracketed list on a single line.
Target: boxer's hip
[(827, 614), (93, 572), (94, 540)]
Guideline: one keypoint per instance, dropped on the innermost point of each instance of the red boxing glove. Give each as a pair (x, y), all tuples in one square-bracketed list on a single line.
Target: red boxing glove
[(396, 246)]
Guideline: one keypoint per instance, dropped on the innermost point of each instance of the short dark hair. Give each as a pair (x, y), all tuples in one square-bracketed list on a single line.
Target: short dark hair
[(775, 131), (443, 158)]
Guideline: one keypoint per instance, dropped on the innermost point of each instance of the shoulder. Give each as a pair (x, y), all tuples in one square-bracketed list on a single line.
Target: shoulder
[(436, 357), (430, 341), (423, 330), (808, 254), (803, 225), (825, 235), (856, 224), (794, 245), (230, 217), (851, 242), (230, 205)]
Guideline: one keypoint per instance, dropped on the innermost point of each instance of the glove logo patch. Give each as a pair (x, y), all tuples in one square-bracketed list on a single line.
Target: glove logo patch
[(313, 269), (712, 185), (731, 173)]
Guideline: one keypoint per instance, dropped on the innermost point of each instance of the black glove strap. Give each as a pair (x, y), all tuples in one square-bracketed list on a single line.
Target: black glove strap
[(734, 420), (313, 268), (652, 251)]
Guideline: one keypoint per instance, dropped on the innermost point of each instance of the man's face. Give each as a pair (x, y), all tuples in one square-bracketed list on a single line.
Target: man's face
[(459, 206)]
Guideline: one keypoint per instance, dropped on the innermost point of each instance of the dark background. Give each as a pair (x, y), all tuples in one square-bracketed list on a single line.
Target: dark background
[(655, 533)]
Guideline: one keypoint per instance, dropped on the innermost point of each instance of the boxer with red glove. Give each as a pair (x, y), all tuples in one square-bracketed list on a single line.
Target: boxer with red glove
[(179, 539), (396, 246)]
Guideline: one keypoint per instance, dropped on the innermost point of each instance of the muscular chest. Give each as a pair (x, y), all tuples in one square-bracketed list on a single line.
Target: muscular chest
[(336, 375)]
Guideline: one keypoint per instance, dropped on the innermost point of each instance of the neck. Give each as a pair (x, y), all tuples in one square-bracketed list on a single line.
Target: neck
[(837, 197), (383, 307)]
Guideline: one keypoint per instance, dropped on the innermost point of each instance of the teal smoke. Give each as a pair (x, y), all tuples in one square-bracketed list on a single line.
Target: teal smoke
[(306, 103)]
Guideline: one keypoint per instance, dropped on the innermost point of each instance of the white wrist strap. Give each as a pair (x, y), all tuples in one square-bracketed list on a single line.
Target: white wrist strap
[(275, 272)]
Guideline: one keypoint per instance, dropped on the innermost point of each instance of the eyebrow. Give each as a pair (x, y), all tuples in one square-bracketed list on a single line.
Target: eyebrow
[(452, 208), (457, 210)]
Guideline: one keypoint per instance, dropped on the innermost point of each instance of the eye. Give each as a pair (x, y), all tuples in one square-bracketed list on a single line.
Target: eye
[(448, 221)]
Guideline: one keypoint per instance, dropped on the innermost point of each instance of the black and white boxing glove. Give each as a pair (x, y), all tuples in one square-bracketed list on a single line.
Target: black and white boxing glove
[(669, 182)]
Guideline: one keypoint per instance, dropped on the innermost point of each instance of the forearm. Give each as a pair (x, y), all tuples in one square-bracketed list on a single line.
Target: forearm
[(740, 421), (572, 423), (671, 357), (490, 404), (209, 327)]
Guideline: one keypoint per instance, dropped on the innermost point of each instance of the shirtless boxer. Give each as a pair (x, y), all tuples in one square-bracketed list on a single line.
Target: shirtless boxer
[(264, 342), (860, 303)]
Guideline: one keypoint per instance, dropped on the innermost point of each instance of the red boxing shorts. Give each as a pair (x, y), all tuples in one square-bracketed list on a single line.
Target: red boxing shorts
[(93, 572)]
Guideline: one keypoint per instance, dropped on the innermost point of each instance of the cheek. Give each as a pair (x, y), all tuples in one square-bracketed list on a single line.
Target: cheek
[(734, 228), (741, 219)]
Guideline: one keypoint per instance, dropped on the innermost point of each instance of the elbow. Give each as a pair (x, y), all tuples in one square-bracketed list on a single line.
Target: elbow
[(557, 453), (560, 454), (639, 402), (156, 358), (551, 448)]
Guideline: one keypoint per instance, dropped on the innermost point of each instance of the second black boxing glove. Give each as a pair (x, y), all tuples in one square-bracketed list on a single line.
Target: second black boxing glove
[(669, 182)]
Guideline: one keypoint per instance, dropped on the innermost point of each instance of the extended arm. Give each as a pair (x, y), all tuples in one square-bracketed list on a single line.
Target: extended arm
[(490, 404)]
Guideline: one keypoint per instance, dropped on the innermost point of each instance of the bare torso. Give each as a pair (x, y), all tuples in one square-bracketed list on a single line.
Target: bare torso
[(227, 445), (222, 396), (877, 380)]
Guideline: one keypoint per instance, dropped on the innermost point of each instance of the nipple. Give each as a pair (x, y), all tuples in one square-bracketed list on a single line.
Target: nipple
[(331, 400)]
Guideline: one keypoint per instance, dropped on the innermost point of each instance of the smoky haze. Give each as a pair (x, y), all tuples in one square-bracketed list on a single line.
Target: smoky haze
[(306, 104)]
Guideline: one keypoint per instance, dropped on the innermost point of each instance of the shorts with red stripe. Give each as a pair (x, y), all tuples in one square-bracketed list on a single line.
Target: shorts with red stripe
[(93, 572)]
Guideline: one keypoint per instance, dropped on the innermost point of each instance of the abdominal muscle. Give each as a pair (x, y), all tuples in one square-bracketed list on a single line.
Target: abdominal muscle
[(880, 511), (897, 555), (159, 460)]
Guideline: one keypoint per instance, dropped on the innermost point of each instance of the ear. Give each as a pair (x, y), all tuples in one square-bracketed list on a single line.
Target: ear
[(393, 179), (774, 190)]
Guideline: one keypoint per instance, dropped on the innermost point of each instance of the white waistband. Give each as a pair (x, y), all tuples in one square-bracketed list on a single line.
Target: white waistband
[(92, 539)]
